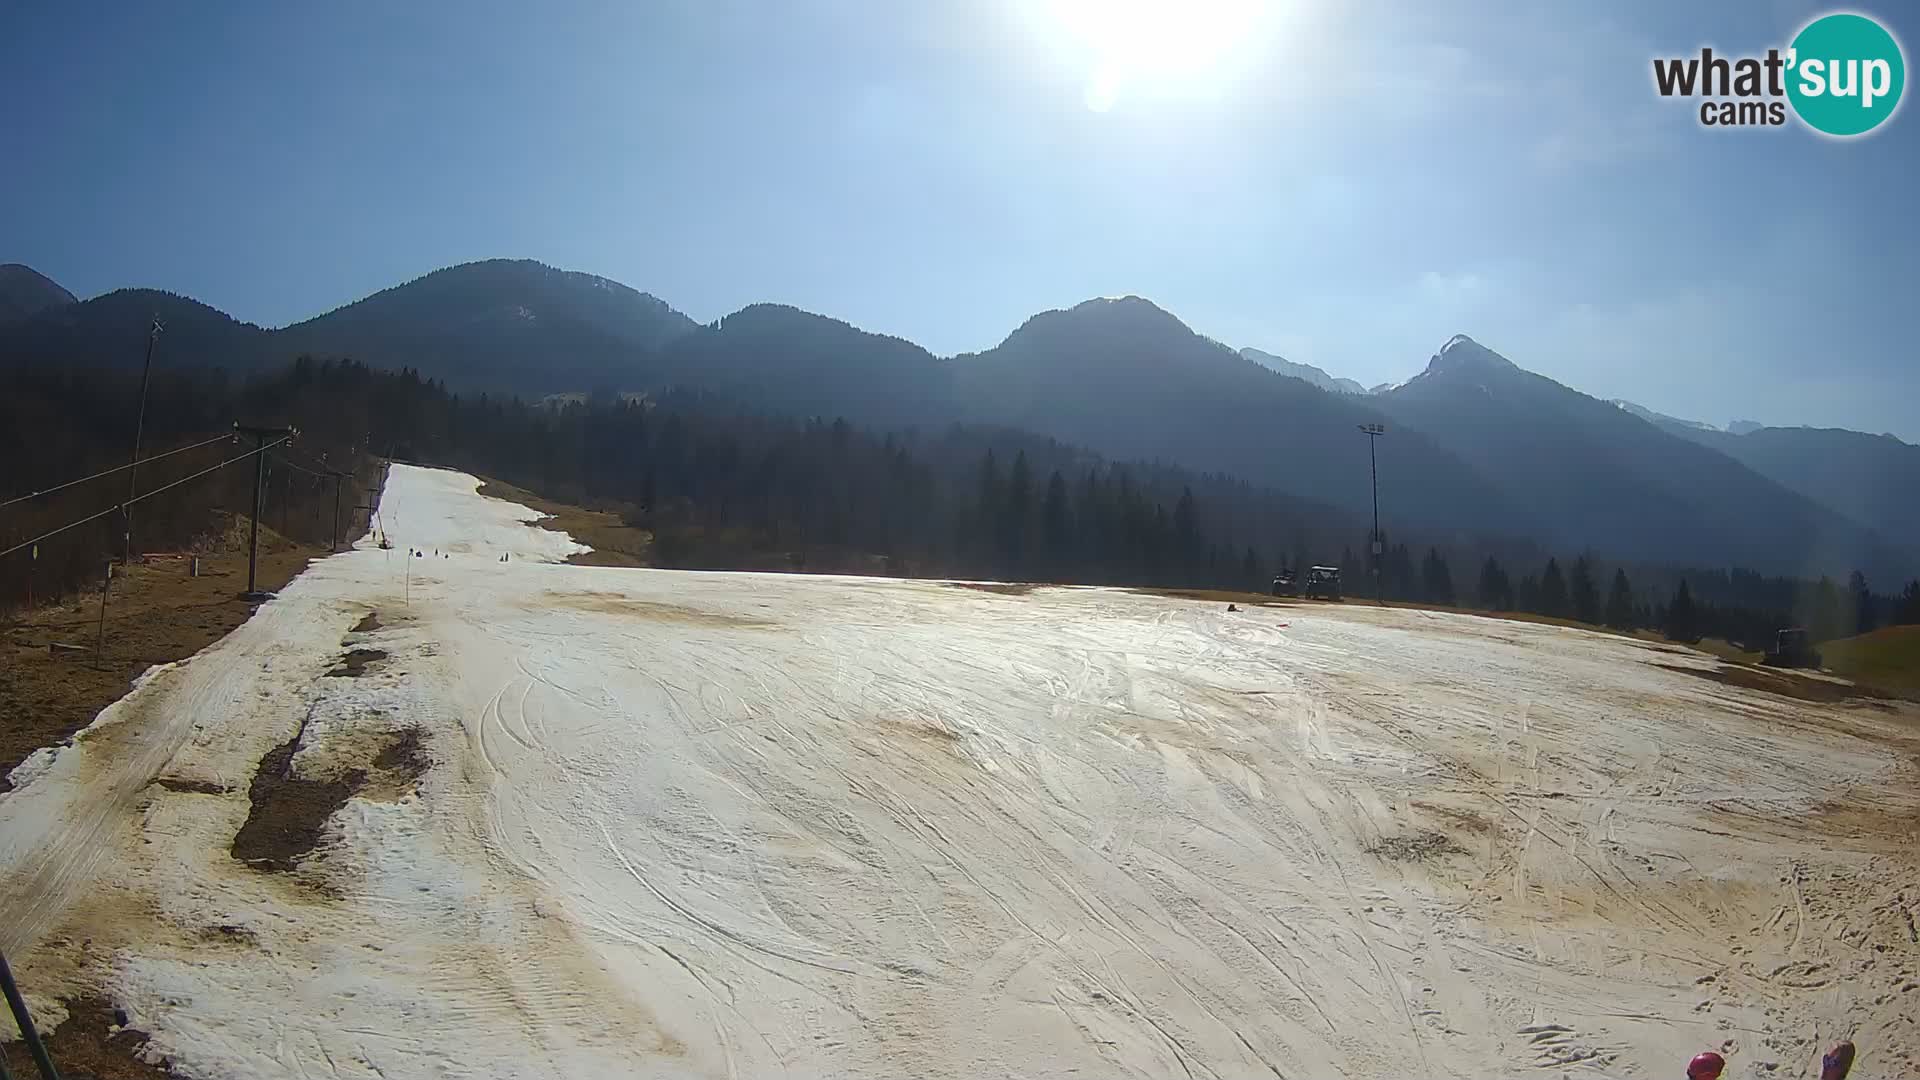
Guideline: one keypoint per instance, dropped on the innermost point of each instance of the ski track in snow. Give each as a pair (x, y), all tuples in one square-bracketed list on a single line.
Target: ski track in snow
[(744, 825)]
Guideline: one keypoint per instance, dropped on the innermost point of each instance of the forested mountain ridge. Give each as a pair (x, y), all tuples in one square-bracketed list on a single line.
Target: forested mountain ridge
[(500, 324), (1874, 479), (25, 291), (719, 485), (110, 331), (1306, 372), (1131, 380), (783, 359), (1477, 448), (513, 325), (1601, 477)]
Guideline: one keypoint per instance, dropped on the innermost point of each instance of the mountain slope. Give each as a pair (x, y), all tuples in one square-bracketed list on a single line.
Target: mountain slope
[(111, 331), (1306, 372), (788, 360), (501, 323), (1873, 479), (1127, 379), (25, 291), (1605, 479), (1660, 419)]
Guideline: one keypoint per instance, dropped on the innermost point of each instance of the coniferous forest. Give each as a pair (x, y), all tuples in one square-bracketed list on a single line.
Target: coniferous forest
[(722, 486)]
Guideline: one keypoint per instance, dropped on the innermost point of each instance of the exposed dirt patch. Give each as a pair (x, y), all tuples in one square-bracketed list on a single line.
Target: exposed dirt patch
[(924, 731), (1227, 596), (156, 614), (616, 604), (1416, 847), (614, 542), (91, 1042), (1775, 681), (1462, 819), (288, 812), (398, 767), (229, 934), (355, 663), (1004, 588), (404, 754), (197, 787), (367, 624)]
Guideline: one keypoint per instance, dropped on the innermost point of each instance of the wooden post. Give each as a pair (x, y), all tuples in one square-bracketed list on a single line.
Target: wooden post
[(259, 495), (100, 639)]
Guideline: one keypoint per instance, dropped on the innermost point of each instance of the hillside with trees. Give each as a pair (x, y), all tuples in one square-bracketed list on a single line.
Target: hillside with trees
[(1480, 457), (723, 485)]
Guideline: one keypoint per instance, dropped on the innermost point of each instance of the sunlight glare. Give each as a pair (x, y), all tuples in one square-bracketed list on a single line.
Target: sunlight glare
[(1164, 42)]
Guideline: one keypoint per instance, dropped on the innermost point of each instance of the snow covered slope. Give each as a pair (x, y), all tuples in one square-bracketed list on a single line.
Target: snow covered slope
[(738, 825)]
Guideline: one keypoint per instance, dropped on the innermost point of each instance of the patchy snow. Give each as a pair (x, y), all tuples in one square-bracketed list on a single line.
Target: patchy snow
[(686, 824)]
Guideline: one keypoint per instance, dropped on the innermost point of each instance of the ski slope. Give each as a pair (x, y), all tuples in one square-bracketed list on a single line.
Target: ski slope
[(741, 825)]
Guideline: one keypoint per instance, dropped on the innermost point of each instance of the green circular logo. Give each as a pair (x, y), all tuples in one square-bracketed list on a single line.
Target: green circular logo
[(1845, 74)]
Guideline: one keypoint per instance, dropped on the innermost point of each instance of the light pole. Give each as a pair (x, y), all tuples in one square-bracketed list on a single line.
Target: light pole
[(139, 426), (1375, 545)]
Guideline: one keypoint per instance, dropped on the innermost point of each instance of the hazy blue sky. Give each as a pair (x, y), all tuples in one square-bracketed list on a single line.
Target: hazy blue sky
[(1346, 184)]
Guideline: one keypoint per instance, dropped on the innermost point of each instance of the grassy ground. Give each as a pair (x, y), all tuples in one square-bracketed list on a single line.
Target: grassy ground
[(156, 613), (614, 542), (1888, 658)]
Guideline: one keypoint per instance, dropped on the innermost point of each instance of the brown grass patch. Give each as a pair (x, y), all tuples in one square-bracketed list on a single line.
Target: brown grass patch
[(1225, 596), (1003, 588), (616, 604), (91, 1042), (156, 614), (1888, 658), (1777, 681), (614, 542)]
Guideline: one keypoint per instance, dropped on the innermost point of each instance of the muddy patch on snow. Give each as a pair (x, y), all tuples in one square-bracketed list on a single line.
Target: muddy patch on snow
[(367, 624), (229, 934), (615, 604), (1416, 847), (356, 662), (195, 787), (1003, 588), (1460, 818), (1797, 687), (289, 812), (94, 1040), (398, 766)]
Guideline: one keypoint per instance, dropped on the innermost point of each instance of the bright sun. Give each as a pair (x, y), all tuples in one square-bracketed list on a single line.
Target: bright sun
[(1153, 41)]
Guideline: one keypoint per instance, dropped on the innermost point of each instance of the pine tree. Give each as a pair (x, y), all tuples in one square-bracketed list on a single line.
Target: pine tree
[(1583, 593), (1527, 596), (1907, 612), (1015, 509), (1402, 580), (1496, 592), (1436, 579), (1553, 591), (1681, 619), (1186, 530), (1620, 602), (1056, 523), (1864, 617)]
